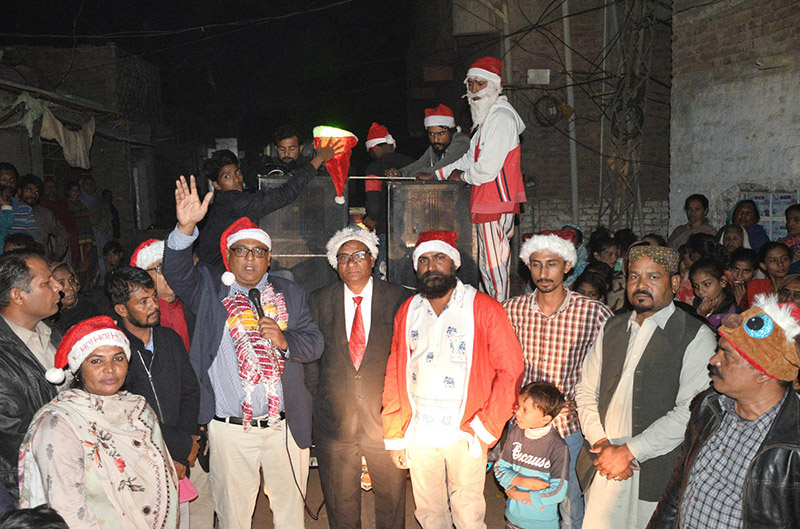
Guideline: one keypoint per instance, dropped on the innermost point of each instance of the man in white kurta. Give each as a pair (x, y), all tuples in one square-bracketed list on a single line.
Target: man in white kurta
[(613, 498)]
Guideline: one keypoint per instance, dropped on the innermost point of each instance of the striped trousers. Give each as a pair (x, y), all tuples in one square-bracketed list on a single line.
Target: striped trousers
[(494, 255)]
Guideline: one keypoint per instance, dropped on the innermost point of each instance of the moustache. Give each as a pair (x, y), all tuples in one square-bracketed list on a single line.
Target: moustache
[(714, 370), (644, 292)]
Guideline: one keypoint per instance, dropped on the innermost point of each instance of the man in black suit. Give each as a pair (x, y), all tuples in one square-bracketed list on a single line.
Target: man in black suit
[(355, 316)]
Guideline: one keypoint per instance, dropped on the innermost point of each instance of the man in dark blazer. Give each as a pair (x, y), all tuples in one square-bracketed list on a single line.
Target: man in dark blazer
[(356, 317), (250, 368)]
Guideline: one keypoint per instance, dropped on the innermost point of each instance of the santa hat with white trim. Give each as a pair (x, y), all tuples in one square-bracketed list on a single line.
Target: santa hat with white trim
[(441, 241), (486, 68), (148, 253), (378, 134), (79, 342), (440, 116), (369, 239), (557, 241), (242, 229)]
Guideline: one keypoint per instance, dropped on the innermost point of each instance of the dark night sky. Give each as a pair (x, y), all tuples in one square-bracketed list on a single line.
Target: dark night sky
[(343, 65)]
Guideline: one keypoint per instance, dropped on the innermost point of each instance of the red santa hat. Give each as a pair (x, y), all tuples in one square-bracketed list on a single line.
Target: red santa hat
[(440, 116), (148, 253), (557, 241), (242, 229), (487, 68), (79, 342), (437, 241), (378, 134), (369, 239)]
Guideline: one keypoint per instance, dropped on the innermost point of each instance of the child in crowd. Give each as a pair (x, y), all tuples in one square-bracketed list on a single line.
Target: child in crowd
[(792, 239), (775, 261), (591, 285), (112, 255), (713, 297), (742, 268), (533, 466)]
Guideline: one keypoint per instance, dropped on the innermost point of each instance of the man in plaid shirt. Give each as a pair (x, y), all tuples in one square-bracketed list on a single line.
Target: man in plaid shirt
[(556, 328)]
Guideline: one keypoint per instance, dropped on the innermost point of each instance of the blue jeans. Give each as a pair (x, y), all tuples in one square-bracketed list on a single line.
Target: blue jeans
[(571, 508)]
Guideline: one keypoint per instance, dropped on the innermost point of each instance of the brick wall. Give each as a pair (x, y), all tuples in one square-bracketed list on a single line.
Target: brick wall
[(545, 150), (736, 91)]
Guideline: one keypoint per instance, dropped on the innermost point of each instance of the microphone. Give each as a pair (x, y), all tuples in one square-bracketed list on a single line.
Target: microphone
[(255, 298)]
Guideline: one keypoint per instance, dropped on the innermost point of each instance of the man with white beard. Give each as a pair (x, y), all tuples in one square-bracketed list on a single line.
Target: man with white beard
[(492, 167)]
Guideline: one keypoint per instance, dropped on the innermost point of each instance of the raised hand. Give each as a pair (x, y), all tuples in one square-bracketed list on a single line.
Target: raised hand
[(327, 152), (188, 207)]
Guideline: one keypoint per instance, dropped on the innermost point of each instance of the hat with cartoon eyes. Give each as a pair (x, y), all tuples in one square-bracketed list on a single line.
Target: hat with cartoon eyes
[(765, 335)]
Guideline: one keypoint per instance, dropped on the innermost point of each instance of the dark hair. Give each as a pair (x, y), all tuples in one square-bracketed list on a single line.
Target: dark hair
[(602, 269), (698, 198), (31, 179), (15, 273), (41, 517), (578, 232), (703, 244), (112, 246), (286, 131), (217, 161), (125, 280), (545, 396), (72, 184), (5, 166), (25, 242), (593, 279), (771, 245), (661, 241), (710, 266), (751, 203), (625, 237), (793, 207), (86, 177), (747, 255), (599, 241)]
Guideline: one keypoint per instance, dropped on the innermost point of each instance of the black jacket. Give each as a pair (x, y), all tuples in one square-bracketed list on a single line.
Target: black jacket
[(174, 381), (230, 206), (347, 403), (771, 491), (23, 390)]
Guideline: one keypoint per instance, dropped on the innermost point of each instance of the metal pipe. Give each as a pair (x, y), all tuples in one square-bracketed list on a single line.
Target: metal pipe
[(573, 150)]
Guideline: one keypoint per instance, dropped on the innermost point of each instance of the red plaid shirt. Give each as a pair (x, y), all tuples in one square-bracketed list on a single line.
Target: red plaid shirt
[(554, 347)]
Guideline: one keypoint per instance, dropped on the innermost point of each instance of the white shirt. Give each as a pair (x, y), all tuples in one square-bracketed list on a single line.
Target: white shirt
[(366, 309), (440, 358)]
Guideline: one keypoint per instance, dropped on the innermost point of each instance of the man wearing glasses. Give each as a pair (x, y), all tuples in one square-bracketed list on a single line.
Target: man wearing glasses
[(253, 392), (355, 316)]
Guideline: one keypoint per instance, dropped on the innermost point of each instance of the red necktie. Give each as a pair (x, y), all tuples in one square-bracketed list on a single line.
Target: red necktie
[(358, 338)]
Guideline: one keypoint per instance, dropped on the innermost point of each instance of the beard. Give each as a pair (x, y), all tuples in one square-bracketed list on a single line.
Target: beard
[(640, 307), (439, 148), (481, 102), (149, 322), (434, 285)]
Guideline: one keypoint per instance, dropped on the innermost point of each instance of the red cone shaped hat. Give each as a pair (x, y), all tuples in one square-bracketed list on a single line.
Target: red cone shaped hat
[(339, 166)]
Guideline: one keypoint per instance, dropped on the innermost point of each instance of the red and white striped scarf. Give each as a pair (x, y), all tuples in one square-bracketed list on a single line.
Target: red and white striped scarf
[(260, 363)]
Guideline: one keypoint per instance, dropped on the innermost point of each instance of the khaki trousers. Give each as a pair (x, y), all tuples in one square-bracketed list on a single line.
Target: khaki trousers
[(236, 458), (448, 486)]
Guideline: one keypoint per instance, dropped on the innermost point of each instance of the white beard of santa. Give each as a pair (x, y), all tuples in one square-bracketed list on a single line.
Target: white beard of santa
[(480, 102)]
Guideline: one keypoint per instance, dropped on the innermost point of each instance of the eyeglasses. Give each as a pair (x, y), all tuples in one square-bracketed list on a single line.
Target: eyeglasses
[(156, 269), (785, 295), (356, 257), (258, 252)]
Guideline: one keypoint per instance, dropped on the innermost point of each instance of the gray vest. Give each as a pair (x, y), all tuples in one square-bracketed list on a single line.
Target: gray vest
[(655, 387)]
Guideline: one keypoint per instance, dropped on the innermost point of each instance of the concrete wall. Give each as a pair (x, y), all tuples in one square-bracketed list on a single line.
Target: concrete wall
[(735, 101)]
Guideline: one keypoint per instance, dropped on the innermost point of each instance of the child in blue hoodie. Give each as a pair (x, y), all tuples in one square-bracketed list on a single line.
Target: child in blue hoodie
[(533, 465)]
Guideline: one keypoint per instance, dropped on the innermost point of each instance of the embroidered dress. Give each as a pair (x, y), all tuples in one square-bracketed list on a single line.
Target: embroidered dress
[(100, 461)]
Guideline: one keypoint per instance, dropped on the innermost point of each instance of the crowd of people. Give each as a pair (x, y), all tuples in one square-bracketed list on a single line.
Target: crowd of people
[(642, 382)]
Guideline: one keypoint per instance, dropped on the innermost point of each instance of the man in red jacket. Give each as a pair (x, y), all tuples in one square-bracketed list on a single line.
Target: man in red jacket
[(451, 382)]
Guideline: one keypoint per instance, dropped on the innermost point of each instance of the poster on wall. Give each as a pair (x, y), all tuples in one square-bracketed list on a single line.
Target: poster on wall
[(771, 208)]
